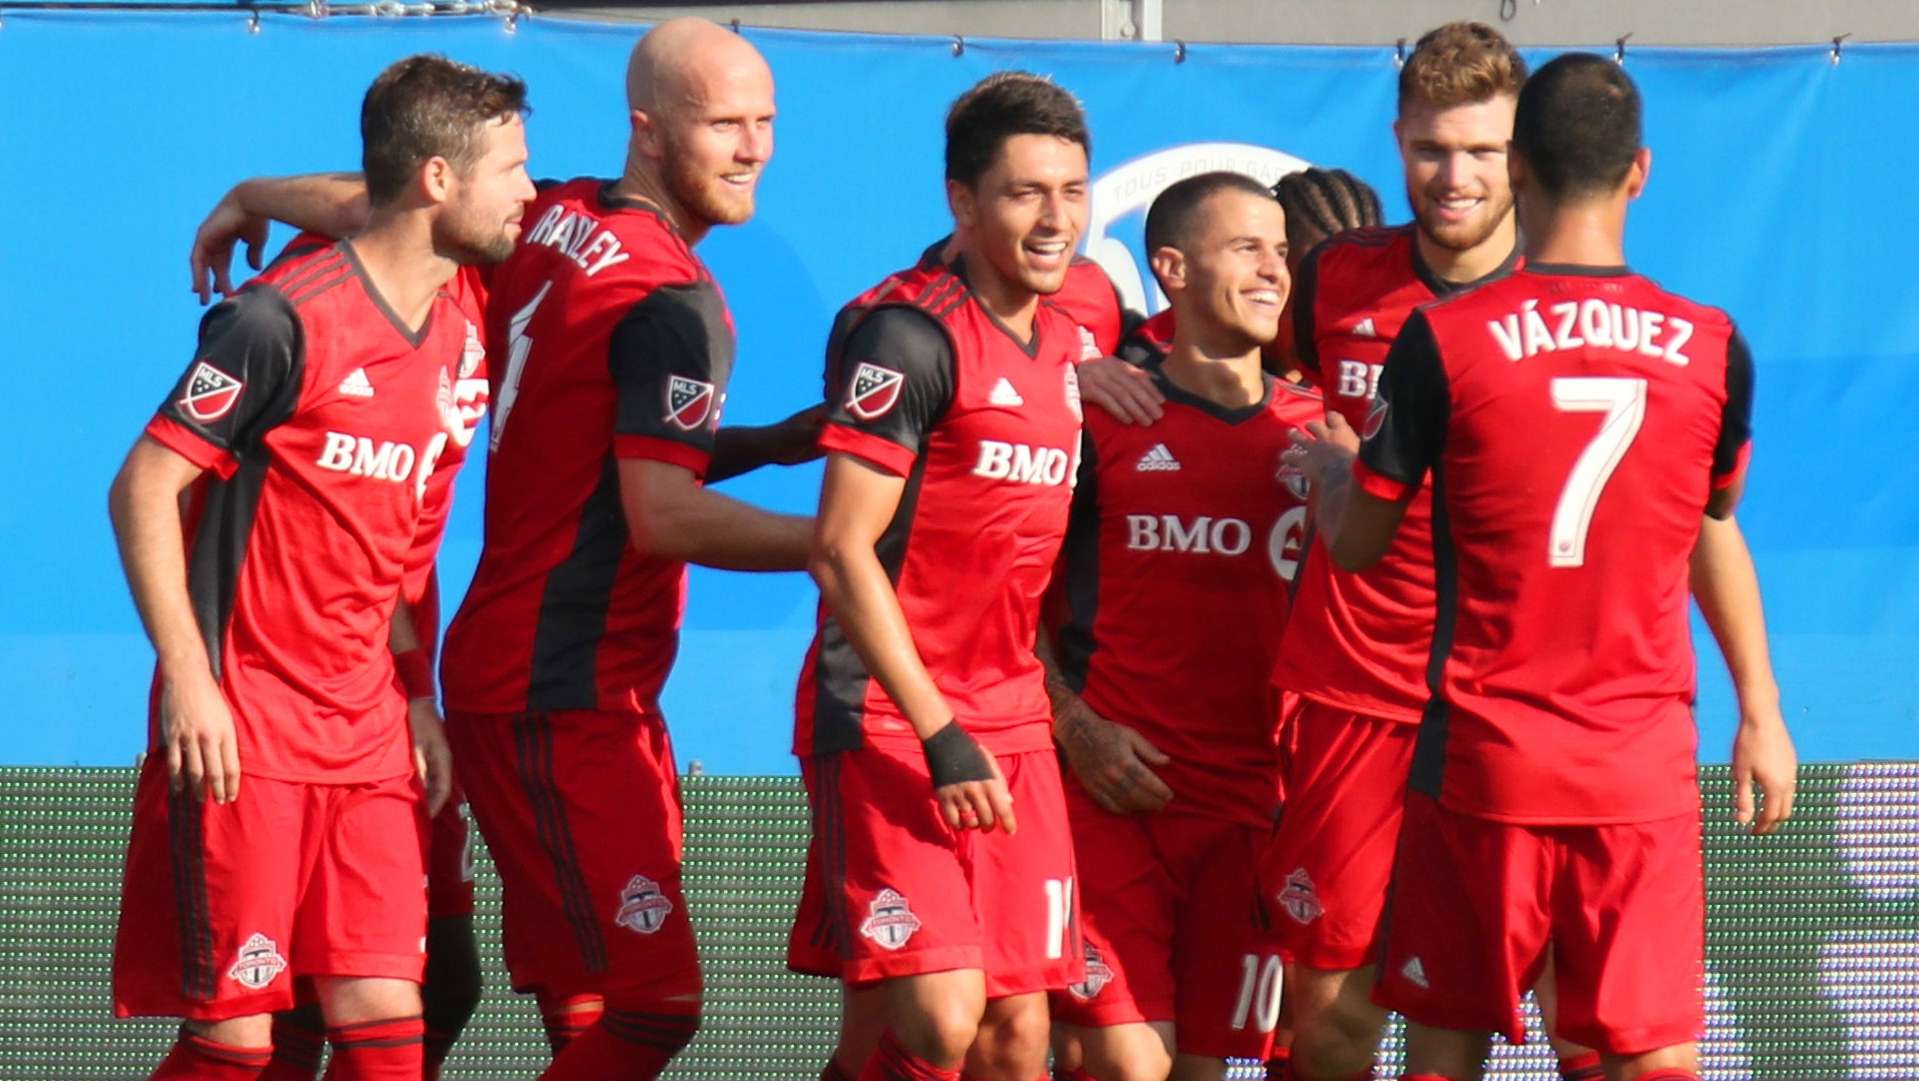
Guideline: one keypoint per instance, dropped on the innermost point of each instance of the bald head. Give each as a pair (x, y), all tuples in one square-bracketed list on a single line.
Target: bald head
[(683, 62)]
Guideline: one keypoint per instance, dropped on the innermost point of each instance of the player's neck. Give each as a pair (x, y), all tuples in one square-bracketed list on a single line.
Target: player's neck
[(1579, 234), (1010, 302), (396, 251), (1475, 262), (642, 184), (1228, 377)]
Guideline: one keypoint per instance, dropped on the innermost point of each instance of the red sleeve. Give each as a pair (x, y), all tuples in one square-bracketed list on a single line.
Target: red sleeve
[(192, 446), (868, 447)]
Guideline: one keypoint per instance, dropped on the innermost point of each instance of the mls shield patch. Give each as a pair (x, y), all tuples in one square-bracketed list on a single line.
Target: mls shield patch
[(689, 402), (211, 393), (875, 391)]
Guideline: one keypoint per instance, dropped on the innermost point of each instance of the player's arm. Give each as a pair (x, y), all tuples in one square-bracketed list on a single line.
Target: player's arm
[(1113, 762), (1361, 488), (1122, 388), (413, 661), (1726, 585), (331, 204), (670, 344), (739, 449), (243, 380), (896, 384)]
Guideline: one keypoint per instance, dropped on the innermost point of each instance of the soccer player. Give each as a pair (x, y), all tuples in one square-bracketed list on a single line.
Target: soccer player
[(1355, 645), (322, 401), (1576, 421), (922, 713), (1175, 571), (617, 348)]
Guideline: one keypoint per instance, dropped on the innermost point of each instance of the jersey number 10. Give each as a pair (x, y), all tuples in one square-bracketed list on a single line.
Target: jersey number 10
[(1624, 403)]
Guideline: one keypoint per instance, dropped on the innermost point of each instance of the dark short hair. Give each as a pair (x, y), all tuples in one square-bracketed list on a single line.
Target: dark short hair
[(1173, 215), (424, 107), (1577, 126), (1460, 63), (1326, 201), (1000, 106)]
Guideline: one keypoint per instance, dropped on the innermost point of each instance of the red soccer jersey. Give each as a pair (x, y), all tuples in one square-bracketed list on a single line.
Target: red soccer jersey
[(1575, 421), (325, 424), (615, 343), (1360, 641), (985, 429), (1089, 299), (1184, 536)]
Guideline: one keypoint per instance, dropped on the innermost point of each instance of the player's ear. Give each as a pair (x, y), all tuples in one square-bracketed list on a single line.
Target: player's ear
[(1518, 174), (436, 179), (1169, 266), (959, 199), (645, 135), (1639, 172)]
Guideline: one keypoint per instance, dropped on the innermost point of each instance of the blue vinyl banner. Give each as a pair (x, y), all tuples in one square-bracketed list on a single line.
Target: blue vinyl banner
[(1781, 190)]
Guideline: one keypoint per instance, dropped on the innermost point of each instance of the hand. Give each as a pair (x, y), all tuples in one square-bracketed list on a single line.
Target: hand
[(196, 729), (1125, 391), (432, 759), (1325, 446), (1114, 762), (212, 253), (967, 782), (797, 438), (1763, 758)]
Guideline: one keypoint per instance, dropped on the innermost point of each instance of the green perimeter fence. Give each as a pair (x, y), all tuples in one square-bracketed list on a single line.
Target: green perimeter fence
[(1812, 937)]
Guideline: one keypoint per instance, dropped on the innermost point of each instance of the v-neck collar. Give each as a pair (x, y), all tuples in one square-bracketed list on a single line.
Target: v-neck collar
[(414, 338), (1176, 393), (1441, 287), (1030, 348)]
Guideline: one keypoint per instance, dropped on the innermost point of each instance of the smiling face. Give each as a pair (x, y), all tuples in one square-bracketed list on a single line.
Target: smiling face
[(1455, 160), (480, 219), (1229, 274), (715, 140), (1025, 214)]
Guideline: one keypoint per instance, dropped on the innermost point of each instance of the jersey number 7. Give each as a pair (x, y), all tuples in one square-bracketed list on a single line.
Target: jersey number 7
[(1624, 403)]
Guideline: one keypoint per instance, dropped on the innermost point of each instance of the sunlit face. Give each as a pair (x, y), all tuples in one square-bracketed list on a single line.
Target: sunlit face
[(1026, 213), (1455, 159), (715, 142), (1232, 268), (480, 219)]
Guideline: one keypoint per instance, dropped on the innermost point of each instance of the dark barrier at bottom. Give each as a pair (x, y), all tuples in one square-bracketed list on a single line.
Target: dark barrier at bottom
[(1813, 937)]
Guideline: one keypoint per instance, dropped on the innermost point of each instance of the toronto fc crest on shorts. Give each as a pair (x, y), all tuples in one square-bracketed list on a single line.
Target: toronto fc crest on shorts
[(643, 908), (1098, 975), (258, 962), (889, 922), (1299, 898)]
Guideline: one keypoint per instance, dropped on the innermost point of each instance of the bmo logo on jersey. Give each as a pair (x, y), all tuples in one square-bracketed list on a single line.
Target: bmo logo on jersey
[(1204, 535), (358, 456), (1357, 379), (1019, 463)]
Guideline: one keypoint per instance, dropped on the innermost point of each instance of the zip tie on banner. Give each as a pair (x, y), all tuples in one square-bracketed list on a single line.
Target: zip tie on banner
[(959, 44), (1619, 49), (1399, 53), (1838, 44), (253, 23), (734, 24), (1179, 51)]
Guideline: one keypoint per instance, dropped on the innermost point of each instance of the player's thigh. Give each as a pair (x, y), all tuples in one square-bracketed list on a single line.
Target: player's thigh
[(1127, 903), (209, 898), (1024, 885), (349, 1000), (363, 913), (1468, 921), (1323, 875), (1227, 965), (1629, 935)]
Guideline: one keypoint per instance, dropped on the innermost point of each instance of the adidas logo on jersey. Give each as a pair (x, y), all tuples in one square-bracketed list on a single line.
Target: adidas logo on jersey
[(356, 384), (1365, 329), (1158, 460), (1004, 394), (1415, 974)]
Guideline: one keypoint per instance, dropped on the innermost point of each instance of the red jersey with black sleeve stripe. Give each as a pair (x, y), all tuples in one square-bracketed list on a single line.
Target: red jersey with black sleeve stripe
[(613, 342), (1184, 536), (1090, 300), (326, 427), (1359, 642), (929, 386), (1575, 422)]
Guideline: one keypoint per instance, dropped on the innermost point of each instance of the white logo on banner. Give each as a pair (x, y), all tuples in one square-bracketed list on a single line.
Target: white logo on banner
[(1124, 193)]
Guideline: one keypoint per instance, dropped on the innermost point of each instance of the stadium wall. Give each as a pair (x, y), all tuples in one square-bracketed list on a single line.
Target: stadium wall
[(1781, 190)]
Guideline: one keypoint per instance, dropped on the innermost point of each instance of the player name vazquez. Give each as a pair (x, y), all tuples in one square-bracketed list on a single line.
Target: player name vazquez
[(1591, 322), (579, 237)]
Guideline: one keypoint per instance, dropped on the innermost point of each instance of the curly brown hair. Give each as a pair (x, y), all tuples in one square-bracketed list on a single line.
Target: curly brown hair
[(1460, 63), (424, 107)]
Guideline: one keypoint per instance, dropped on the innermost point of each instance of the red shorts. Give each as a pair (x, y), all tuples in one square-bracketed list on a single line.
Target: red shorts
[(581, 813), (1172, 930), (891, 891), (1323, 877), (1477, 903), (449, 860), (223, 906)]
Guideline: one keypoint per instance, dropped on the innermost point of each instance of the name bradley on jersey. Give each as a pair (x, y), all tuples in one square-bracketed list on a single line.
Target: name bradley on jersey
[(579, 237), (1599, 323)]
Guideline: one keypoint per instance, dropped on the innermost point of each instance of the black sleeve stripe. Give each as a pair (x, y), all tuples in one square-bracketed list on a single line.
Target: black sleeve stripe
[(1416, 405), (897, 377), (670, 357), (1735, 424), (1075, 644), (246, 374)]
